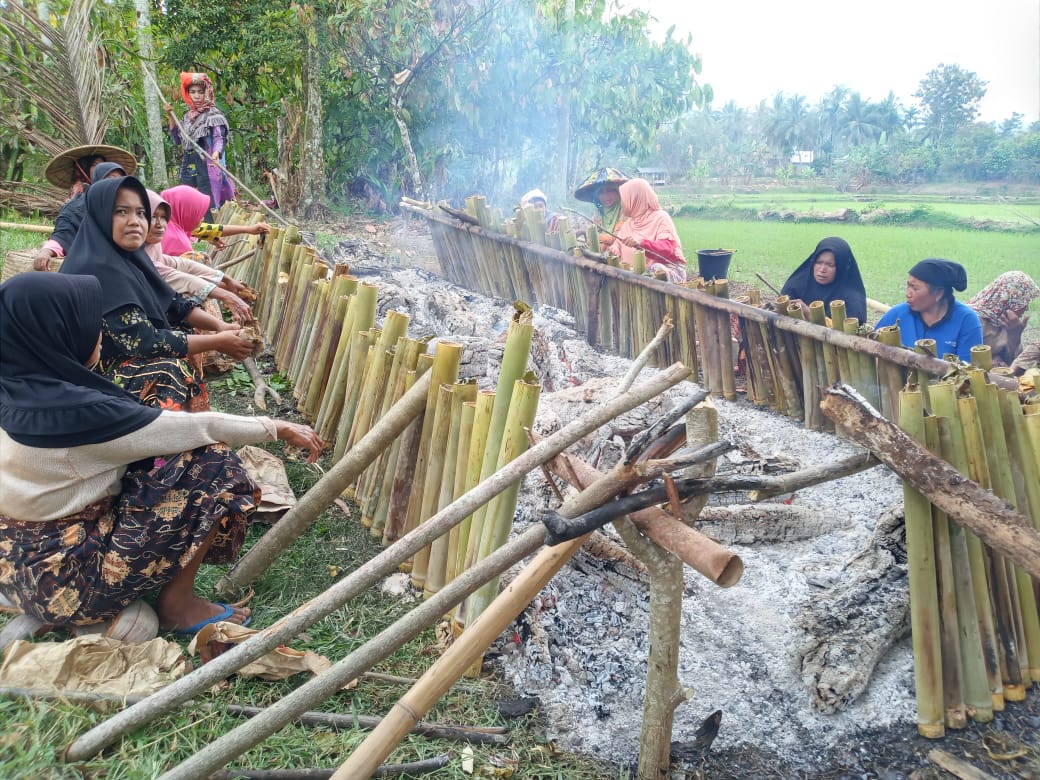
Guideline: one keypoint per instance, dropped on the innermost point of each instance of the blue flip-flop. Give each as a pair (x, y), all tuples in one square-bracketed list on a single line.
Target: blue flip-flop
[(224, 615)]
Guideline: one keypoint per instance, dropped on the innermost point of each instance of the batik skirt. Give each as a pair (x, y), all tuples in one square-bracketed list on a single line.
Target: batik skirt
[(86, 567), (167, 383)]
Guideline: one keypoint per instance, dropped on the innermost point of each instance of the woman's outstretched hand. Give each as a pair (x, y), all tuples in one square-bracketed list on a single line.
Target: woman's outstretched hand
[(302, 436), (233, 345)]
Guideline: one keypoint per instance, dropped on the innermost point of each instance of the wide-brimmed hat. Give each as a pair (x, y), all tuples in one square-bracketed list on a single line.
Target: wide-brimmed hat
[(59, 171), (587, 188)]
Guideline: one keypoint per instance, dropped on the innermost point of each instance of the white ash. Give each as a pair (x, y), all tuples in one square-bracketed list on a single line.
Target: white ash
[(739, 644)]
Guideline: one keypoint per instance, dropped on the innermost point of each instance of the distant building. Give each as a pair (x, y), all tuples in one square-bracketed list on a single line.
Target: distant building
[(656, 176), (802, 160)]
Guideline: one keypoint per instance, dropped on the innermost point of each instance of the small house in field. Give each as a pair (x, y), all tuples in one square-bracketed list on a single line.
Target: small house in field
[(802, 160), (656, 176)]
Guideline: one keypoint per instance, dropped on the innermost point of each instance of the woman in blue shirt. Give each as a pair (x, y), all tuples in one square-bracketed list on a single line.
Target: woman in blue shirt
[(930, 311)]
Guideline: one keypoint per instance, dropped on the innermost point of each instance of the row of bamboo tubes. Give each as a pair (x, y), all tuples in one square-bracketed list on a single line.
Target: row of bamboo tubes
[(975, 623), (347, 371), (617, 309)]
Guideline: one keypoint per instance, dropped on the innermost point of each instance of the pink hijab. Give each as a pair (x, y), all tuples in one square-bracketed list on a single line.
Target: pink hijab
[(643, 218), (155, 251), (188, 207)]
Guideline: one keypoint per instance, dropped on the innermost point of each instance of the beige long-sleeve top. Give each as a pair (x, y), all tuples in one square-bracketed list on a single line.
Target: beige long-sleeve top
[(40, 484)]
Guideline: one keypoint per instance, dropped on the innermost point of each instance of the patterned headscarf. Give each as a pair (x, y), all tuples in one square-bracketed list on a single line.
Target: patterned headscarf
[(199, 121), (190, 79), (1010, 291)]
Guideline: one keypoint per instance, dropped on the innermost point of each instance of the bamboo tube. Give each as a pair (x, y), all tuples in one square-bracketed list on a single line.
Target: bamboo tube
[(982, 356), (827, 353), (956, 715), (478, 446), (522, 411), (437, 567), (324, 371), (433, 475), (361, 318), (318, 295), (445, 371), (844, 363), (404, 477), (514, 362), (891, 374), (977, 696), (725, 343), (394, 326), (924, 604), (465, 434), (944, 403), (295, 272), (1002, 484), (1000, 582), (369, 483), (298, 311), (785, 375), (924, 347), (810, 377), (330, 320), (362, 355)]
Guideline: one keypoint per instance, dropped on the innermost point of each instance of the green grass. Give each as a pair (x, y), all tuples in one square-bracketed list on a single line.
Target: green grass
[(33, 733), (884, 253)]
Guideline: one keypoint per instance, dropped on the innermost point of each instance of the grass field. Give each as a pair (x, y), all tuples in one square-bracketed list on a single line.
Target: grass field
[(884, 253)]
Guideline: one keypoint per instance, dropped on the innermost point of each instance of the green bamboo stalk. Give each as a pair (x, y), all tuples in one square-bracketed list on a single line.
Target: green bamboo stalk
[(810, 379), (891, 374), (956, 714), (395, 324), (430, 490), (522, 412), (363, 351), (361, 319), (330, 320), (478, 446), (978, 470), (437, 567), (445, 371), (982, 356), (310, 327), (827, 353), (343, 288), (945, 404), (924, 598), (469, 413), (514, 362), (976, 690), (924, 347)]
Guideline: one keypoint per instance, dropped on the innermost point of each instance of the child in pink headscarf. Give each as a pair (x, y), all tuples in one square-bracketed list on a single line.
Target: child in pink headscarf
[(188, 207), (187, 276), (648, 227)]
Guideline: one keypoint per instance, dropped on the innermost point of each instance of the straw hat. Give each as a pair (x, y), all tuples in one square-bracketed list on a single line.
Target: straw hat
[(59, 171), (595, 179)]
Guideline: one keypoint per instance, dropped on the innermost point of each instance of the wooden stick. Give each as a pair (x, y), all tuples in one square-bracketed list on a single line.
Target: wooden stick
[(385, 770), (957, 767), (262, 388), (48, 229), (320, 497), (236, 260), (964, 501), (490, 735), (366, 575)]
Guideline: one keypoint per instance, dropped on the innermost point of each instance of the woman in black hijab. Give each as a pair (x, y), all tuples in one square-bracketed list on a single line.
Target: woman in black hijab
[(71, 216), (829, 274), (931, 312), (140, 349), (94, 510)]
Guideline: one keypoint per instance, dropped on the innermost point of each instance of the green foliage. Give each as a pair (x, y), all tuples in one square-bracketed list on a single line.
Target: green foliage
[(950, 97)]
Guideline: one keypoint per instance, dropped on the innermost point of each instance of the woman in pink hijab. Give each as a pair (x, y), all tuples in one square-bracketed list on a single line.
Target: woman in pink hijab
[(645, 225), (187, 276), (188, 207)]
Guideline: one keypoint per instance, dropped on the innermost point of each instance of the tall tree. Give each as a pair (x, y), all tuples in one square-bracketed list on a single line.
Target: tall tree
[(949, 97)]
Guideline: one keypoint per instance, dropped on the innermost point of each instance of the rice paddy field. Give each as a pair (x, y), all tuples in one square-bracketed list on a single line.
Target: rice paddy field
[(884, 253)]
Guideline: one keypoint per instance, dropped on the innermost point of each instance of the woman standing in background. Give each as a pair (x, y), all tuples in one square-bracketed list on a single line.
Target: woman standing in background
[(205, 125)]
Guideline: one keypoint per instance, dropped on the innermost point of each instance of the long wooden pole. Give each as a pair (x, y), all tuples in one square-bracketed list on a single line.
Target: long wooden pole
[(367, 574)]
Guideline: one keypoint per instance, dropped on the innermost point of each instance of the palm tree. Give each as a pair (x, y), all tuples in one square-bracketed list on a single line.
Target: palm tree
[(860, 124)]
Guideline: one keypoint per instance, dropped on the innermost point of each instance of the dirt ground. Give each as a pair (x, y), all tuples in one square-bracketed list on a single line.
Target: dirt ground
[(1005, 749)]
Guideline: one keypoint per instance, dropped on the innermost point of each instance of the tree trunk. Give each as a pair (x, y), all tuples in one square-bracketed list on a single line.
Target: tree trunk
[(312, 162), (157, 175), (411, 161), (968, 504)]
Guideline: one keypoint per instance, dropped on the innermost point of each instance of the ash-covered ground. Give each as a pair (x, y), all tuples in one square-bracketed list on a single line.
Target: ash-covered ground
[(583, 643)]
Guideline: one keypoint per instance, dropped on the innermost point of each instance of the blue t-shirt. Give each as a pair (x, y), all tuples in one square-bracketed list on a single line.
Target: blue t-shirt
[(956, 333)]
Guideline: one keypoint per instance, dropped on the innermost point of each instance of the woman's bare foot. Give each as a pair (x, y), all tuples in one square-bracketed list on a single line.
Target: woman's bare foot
[(176, 614)]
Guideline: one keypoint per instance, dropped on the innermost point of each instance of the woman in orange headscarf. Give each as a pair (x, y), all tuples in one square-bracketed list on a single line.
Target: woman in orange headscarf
[(205, 125), (648, 227)]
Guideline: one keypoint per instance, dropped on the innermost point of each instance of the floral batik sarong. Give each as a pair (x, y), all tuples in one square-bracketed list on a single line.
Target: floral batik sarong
[(86, 567)]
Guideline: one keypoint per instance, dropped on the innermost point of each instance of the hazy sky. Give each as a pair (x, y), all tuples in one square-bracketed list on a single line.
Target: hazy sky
[(753, 49)]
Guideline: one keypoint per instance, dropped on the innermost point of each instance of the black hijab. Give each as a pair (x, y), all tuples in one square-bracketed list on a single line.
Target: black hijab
[(127, 278), (847, 285), (941, 273), (71, 215), (49, 325)]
